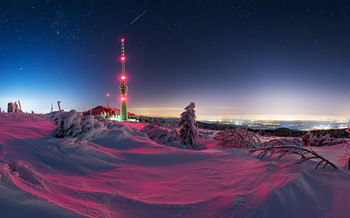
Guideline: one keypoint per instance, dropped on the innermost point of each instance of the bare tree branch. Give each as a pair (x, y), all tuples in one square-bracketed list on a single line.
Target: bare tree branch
[(305, 154), (238, 138)]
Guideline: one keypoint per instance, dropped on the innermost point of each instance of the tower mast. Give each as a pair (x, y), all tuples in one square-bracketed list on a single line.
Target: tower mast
[(123, 87)]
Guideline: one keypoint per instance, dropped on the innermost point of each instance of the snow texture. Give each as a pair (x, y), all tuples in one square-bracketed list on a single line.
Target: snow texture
[(123, 173)]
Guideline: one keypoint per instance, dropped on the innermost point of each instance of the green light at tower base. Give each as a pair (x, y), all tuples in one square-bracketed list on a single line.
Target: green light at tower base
[(123, 111)]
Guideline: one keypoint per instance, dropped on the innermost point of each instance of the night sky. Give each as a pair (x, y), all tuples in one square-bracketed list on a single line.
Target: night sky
[(286, 59)]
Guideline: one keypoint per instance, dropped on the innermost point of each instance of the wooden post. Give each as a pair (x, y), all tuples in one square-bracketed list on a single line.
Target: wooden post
[(16, 107), (20, 108), (59, 105)]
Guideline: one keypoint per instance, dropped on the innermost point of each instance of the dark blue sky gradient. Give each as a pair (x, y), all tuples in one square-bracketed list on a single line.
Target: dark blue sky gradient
[(236, 59)]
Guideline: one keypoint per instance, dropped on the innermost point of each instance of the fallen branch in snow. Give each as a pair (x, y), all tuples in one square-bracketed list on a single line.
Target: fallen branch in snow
[(238, 138), (280, 142), (305, 154)]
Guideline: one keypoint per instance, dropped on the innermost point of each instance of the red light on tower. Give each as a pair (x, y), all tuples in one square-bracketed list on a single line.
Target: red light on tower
[(122, 40), (107, 99), (123, 98), (123, 77), (122, 58)]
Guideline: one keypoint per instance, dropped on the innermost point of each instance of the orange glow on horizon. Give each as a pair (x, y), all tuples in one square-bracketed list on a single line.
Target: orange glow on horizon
[(207, 114)]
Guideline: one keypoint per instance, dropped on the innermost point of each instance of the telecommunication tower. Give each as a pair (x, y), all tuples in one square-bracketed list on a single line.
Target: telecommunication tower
[(123, 87)]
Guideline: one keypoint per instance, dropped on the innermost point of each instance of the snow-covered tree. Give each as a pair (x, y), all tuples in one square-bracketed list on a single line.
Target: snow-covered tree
[(312, 140), (161, 135), (188, 127), (345, 152), (74, 124), (144, 119), (307, 138)]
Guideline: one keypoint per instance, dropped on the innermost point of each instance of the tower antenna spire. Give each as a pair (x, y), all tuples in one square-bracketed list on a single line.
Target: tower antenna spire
[(123, 86)]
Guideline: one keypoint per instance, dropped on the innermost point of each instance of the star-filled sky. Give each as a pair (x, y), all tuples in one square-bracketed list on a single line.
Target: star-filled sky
[(237, 59)]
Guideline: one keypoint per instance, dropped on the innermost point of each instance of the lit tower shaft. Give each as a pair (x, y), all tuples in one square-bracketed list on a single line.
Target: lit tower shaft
[(123, 87)]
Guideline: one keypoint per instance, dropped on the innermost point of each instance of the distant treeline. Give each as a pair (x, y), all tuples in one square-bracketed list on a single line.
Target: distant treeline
[(281, 132)]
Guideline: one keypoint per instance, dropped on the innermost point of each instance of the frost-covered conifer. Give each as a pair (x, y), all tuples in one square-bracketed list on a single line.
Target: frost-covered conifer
[(312, 140), (73, 124), (188, 131), (307, 138), (161, 135)]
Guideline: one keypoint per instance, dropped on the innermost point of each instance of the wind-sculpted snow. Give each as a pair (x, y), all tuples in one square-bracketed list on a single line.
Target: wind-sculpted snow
[(311, 196), (123, 173)]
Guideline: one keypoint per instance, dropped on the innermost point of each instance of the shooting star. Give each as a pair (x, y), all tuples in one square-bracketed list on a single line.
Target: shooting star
[(138, 17)]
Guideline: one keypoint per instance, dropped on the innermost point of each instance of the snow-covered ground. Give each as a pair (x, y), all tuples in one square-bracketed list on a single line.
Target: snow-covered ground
[(125, 174)]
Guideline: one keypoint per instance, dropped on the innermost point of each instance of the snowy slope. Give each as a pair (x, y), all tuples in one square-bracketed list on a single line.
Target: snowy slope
[(125, 174)]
